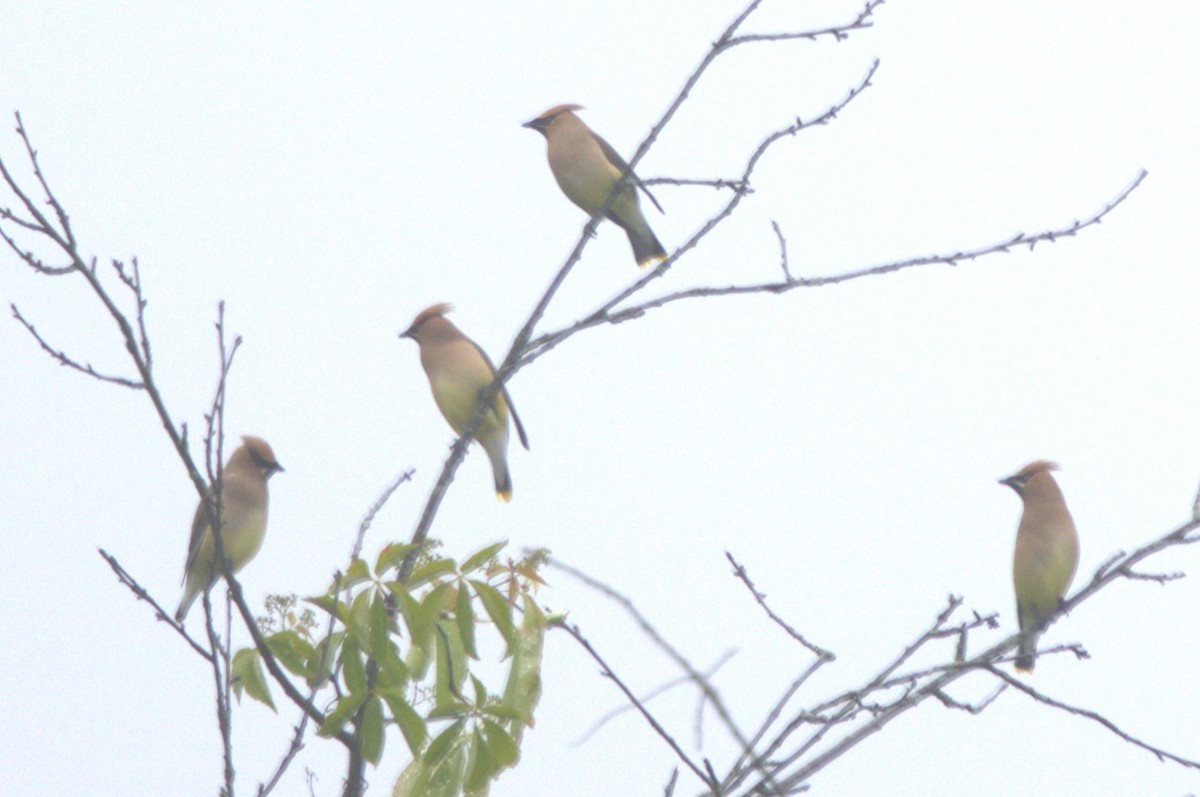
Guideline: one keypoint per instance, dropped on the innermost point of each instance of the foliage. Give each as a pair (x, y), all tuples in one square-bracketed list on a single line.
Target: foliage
[(399, 655)]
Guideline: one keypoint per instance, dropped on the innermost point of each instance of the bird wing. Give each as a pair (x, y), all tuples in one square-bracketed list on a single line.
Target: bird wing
[(199, 526), (616, 160), (512, 408)]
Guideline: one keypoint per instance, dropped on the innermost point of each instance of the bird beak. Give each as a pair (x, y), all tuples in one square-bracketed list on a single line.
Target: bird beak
[(406, 333), (277, 468), (532, 124), (1008, 481)]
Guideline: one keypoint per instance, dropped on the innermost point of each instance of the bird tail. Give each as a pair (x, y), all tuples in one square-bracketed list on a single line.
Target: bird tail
[(185, 604), (1024, 661), (498, 457), (646, 248), (503, 484)]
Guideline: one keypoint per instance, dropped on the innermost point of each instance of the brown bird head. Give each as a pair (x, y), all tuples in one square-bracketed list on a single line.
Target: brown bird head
[(256, 452), (1019, 480), (543, 123), (429, 324)]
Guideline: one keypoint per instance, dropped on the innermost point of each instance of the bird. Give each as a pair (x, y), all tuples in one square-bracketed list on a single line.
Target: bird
[(243, 520), (459, 371), (1046, 555), (587, 168)]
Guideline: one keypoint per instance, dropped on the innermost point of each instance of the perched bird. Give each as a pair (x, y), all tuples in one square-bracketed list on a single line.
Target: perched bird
[(243, 520), (587, 168), (459, 372), (1047, 551)]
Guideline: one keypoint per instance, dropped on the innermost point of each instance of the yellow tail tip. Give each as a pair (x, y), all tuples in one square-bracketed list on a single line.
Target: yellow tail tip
[(651, 261), (504, 495)]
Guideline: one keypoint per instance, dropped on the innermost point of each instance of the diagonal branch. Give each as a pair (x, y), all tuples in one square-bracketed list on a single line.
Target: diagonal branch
[(1159, 753), (607, 315), (142, 594), (64, 359), (519, 353), (654, 723), (761, 599)]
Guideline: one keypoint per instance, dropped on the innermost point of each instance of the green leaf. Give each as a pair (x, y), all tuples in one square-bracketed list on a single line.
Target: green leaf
[(497, 608), (451, 666), (392, 672), (358, 620), (247, 675), (353, 670), (423, 617), (480, 691), (464, 615), (372, 730), (380, 624), (502, 747), (445, 740), (325, 654), (391, 556), (481, 557), (330, 605), (293, 652), (504, 712), (430, 571), (453, 708), (408, 606), (480, 764), (524, 686), (442, 778), (410, 722), (356, 574), (417, 661), (342, 711)]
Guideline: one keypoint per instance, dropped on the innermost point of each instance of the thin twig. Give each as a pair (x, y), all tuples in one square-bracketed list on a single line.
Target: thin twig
[(698, 678), (838, 32), (66, 360), (654, 723), (1159, 753), (607, 315), (761, 599), (653, 693), (142, 594), (369, 518)]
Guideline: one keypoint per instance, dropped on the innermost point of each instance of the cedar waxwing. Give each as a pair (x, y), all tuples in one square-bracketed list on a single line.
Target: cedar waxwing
[(587, 168), (458, 372), (1047, 551), (243, 520)]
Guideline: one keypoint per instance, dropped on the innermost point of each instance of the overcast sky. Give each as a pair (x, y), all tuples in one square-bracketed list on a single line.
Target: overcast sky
[(329, 170)]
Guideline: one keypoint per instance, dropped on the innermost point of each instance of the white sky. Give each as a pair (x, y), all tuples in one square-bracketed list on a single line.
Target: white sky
[(328, 171)]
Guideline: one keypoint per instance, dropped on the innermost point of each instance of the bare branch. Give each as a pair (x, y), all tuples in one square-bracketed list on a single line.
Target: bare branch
[(1159, 578), (653, 693), (783, 255), (650, 631), (63, 239), (522, 351), (718, 183), (658, 728), (66, 360), (970, 708), (838, 32), (159, 612), (374, 510), (945, 675), (1159, 753), (605, 315), (761, 599)]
